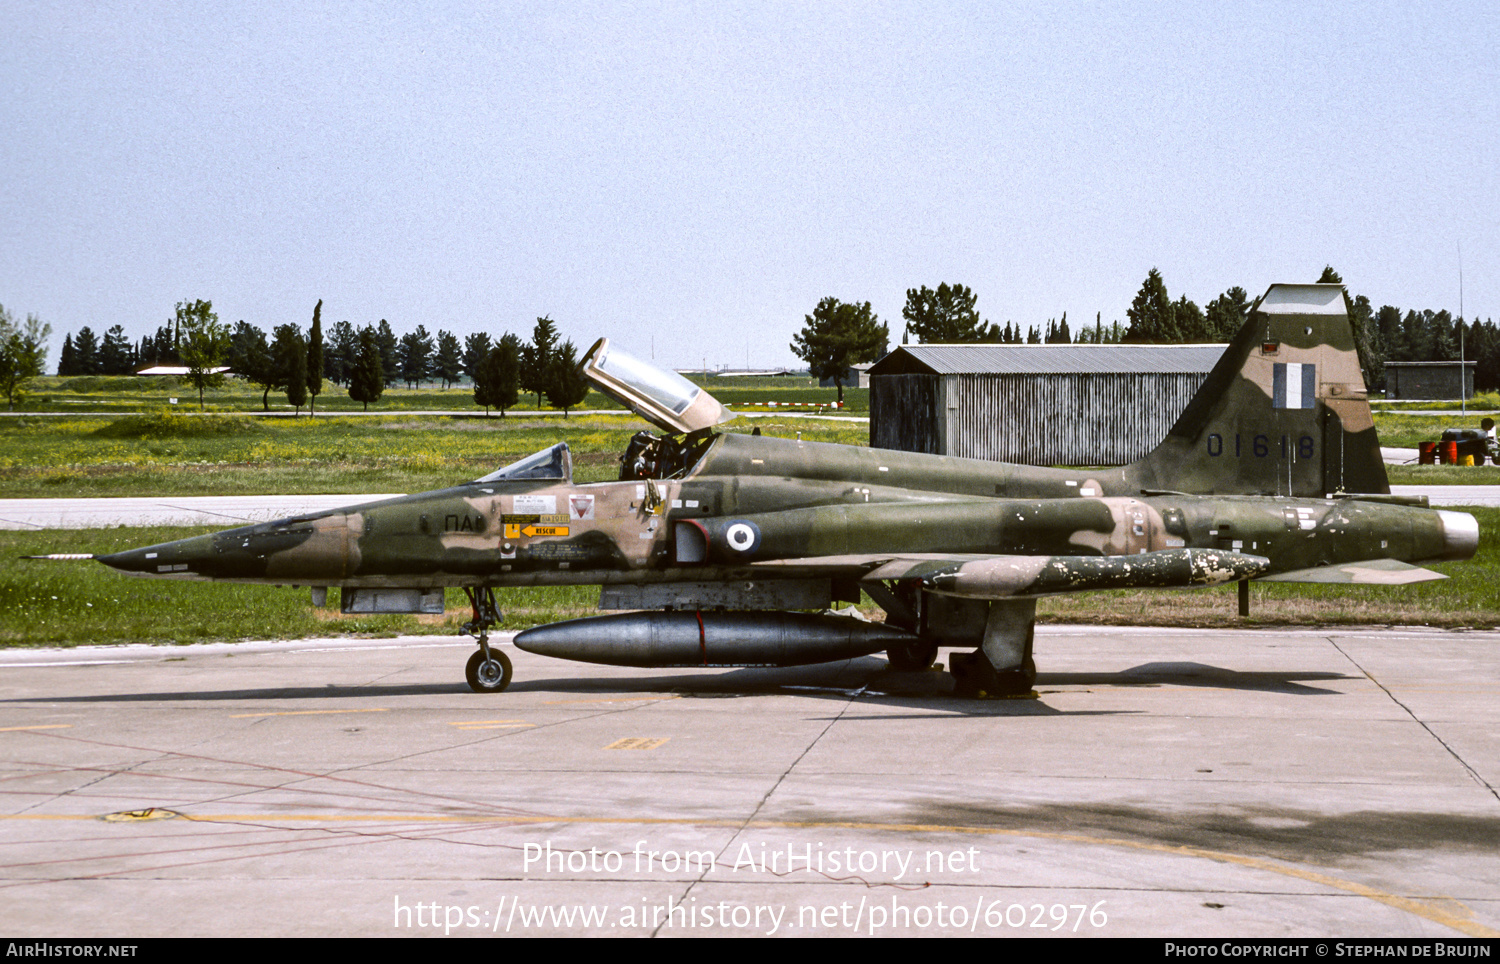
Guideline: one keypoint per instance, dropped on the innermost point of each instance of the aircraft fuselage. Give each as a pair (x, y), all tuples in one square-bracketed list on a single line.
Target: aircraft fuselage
[(755, 499)]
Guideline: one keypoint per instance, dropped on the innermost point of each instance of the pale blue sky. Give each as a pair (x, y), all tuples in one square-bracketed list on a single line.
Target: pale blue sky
[(705, 173)]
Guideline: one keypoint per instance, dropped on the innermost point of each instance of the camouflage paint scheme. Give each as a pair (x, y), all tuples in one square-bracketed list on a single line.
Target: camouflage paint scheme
[(1256, 480)]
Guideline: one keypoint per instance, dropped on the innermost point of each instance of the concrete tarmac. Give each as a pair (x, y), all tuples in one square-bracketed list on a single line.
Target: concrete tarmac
[(1162, 783)]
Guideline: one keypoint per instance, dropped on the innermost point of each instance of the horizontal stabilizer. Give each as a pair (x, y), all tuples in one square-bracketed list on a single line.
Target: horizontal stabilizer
[(1375, 572)]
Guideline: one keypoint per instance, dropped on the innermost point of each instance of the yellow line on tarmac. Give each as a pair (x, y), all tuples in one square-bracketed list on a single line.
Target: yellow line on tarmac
[(489, 723), (242, 716), (39, 726), (613, 699), (1412, 905)]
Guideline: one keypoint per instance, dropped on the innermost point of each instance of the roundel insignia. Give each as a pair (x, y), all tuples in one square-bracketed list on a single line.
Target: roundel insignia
[(742, 537)]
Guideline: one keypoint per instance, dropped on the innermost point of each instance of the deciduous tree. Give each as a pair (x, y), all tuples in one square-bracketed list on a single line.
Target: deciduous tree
[(250, 358), (203, 343), (23, 352), (838, 335)]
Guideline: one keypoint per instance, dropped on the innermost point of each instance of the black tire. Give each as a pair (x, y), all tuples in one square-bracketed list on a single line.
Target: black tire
[(913, 656), (488, 677)]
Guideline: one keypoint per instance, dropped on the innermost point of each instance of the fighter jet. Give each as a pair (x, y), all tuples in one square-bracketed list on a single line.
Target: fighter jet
[(722, 549)]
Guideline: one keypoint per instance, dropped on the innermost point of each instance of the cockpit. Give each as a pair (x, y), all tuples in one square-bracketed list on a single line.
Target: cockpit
[(684, 411), (648, 456), (686, 414), (652, 456)]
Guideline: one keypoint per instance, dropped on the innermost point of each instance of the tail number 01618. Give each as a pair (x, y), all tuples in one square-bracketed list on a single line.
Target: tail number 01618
[(1262, 446)]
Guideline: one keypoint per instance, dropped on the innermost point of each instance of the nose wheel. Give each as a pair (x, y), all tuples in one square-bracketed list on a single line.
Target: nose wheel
[(489, 670)]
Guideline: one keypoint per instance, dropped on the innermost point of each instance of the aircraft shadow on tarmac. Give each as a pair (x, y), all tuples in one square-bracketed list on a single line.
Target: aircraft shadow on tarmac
[(1295, 835), (1200, 674), (867, 677)]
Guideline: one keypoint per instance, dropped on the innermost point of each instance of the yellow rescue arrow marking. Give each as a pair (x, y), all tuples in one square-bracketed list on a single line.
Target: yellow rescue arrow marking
[(514, 530)]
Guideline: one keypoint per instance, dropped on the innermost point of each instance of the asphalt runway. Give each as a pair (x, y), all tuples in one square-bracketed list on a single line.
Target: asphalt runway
[(1161, 783)]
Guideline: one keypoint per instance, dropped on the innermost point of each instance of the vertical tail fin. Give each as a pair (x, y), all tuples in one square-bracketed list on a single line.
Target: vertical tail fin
[(1284, 412)]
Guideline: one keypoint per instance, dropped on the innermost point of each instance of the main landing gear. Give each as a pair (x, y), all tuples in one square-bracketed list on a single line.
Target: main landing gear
[(489, 670), (914, 656), (1004, 630), (902, 602), (1002, 666)]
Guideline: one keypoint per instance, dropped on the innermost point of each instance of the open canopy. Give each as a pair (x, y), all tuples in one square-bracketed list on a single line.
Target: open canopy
[(663, 398)]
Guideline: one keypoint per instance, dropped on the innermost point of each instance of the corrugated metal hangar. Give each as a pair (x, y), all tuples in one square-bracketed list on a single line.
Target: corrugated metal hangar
[(1429, 380), (1034, 404)]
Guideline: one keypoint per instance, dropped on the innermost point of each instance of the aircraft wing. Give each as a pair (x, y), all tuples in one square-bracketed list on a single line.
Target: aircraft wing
[(1373, 572), (1006, 576)]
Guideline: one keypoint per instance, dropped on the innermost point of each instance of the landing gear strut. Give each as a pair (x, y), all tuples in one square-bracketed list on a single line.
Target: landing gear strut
[(913, 656), (489, 670), (902, 602), (1002, 666)]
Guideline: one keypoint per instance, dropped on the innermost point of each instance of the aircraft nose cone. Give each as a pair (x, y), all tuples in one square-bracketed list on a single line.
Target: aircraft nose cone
[(185, 559), (131, 560)]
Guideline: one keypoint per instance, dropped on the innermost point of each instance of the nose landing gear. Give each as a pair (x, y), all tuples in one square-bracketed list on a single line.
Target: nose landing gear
[(489, 670)]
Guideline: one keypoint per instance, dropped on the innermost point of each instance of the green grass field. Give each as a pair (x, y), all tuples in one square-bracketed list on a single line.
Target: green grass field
[(129, 393), (177, 453)]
